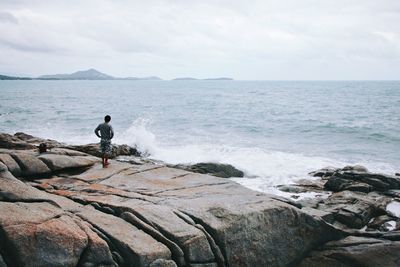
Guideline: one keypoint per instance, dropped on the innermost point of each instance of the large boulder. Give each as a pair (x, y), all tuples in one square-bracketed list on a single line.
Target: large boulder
[(337, 184), (30, 164), (11, 164), (24, 141), (12, 142), (357, 178), (38, 234), (215, 169), (62, 162)]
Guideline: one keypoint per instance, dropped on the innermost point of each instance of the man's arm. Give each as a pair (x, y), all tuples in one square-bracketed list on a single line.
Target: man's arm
[(96, 131), (111, 132)]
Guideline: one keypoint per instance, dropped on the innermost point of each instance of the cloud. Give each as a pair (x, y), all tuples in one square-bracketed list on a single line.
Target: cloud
[(260, 39), (8, 18)]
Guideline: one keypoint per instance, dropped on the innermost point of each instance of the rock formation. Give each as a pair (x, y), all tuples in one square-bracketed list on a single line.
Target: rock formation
[(359, 205), (61, 208)]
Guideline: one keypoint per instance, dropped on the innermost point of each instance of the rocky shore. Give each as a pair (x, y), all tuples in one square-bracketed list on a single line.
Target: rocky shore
[(61, 208)]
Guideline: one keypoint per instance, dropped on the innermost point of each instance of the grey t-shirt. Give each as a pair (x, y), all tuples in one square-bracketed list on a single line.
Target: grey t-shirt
[(106, 131)]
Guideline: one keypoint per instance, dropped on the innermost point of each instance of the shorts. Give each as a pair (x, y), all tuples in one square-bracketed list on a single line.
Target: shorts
[(106, 147)]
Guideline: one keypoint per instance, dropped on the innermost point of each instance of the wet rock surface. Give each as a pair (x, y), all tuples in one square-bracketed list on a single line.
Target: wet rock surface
[(361, 203), (215, 169)]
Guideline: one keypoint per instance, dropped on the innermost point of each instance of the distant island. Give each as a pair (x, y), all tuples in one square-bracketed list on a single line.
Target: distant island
[(4, 77), (92, 74), (207, 79)]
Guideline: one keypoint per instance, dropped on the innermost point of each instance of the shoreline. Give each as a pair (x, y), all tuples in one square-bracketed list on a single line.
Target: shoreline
[(142, 213)]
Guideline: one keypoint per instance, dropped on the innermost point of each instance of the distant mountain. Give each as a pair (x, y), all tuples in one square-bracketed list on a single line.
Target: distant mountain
[(90, 74), (4, 77)]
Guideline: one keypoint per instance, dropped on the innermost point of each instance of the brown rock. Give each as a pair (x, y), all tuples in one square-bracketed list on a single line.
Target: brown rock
[(12, 142), (97, 252), (136, 247), (54, 236)]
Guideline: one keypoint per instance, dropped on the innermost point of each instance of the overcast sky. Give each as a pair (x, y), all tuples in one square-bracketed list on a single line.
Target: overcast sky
[(264, 40)]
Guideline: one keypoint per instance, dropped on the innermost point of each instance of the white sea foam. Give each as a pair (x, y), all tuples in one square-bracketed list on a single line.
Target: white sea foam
[(394, 208), (263, 169)]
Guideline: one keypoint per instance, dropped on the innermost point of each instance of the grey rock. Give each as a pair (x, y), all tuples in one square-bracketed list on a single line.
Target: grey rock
[(356, 168), (352, 209), (136, 247), (378, 182), (11, 142), (355, 251), (60, 162), (3, 167), (292, 188), (337, 184), (326, 216), (394, 235), (11, 164), (30, 165), (377, 222), (324, 172), (215, 169), (162, 263)]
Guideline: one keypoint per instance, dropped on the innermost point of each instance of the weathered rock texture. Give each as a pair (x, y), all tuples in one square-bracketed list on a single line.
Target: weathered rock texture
[(63, 209), (359, 201)]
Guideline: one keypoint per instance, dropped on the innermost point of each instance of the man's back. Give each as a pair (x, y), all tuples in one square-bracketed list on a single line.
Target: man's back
[(106, 131)]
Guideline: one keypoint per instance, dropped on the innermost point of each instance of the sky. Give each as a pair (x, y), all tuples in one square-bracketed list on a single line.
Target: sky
[(246, 40)]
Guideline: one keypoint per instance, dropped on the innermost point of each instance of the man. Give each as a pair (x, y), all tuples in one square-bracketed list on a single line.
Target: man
[(106, 134)]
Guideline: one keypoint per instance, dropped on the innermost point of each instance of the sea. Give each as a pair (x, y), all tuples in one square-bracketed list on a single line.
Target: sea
[(275, 131)]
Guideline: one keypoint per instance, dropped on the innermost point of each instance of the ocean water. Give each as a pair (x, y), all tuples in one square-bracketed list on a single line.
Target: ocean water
[(275, 131)]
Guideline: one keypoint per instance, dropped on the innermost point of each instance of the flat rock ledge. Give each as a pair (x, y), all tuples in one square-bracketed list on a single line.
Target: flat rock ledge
[(61, 208)]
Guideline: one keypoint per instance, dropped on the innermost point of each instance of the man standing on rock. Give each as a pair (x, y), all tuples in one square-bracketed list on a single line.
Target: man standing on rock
[(106, 134)]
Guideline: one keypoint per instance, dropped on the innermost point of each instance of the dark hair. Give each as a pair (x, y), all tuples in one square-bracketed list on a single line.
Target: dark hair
[(107, 118)]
